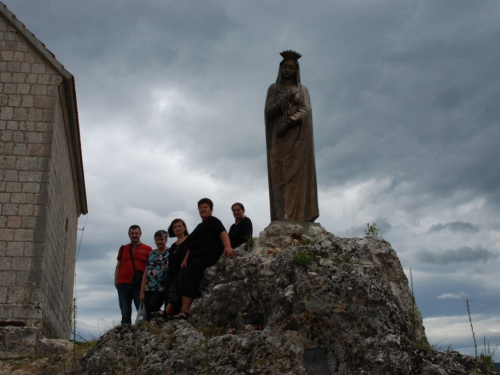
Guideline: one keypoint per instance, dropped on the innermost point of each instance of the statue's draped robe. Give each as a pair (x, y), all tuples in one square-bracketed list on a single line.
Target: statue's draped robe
[(291, 168)]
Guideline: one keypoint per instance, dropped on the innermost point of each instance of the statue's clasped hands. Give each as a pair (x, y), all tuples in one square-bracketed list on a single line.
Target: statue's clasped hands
[(286, 104)]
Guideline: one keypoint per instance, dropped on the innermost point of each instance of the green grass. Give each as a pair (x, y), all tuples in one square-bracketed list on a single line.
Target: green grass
[(303, 258)]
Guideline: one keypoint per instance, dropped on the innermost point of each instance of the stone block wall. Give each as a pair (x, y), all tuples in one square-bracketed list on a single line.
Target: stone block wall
[(38, 208), (60, 238)]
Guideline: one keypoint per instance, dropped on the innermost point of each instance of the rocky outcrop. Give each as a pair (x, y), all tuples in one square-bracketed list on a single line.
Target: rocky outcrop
[(296, 289)]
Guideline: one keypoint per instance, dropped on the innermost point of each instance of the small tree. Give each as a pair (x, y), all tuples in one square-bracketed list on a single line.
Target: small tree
[(371, 230)]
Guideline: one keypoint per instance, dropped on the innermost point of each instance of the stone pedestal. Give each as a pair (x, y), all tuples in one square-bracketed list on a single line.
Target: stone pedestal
[(292, 227), (280, 234)]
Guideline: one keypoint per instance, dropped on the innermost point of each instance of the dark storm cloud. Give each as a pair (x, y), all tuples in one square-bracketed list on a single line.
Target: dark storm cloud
[(455, 226), (462, 254), (421, 112), (130, 33)]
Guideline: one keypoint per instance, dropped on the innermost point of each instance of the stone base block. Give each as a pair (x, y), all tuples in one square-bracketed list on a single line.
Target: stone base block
[(48, 347), (18, 342), (280, 234), (292, 227)]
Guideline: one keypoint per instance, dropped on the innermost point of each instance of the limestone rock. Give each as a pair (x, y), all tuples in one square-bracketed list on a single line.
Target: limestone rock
[(258, 313), (54, 346)]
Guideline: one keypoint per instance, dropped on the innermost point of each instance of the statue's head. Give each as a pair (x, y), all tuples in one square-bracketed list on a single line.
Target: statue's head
[(289, 66)]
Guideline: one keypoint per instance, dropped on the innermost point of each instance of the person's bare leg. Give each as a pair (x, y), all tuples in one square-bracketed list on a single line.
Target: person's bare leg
[(170, 309), (186, 304)]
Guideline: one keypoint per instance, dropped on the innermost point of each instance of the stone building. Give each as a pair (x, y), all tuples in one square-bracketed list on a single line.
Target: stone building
[(42, 190)]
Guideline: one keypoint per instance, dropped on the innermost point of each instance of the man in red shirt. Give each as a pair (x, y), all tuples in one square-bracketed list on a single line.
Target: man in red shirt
[(137, 252)]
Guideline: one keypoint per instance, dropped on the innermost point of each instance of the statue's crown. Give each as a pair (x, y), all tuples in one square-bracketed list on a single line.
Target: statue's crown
[(290, 55)]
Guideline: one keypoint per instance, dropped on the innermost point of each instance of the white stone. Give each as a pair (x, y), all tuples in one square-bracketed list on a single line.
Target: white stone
[(326, 244), (294, 229), (326, 262), (315, 230), (273, 230)]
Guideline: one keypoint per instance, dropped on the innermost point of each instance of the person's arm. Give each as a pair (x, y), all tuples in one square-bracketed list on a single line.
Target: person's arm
[(117, 271), (142, 296), (228, 250)]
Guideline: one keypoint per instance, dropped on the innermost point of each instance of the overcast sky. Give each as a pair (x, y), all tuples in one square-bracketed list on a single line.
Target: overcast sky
[(405, 99)]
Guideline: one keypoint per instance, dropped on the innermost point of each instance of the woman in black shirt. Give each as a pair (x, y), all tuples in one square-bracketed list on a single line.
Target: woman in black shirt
[(177, 252), (205, 245), (241, 231)]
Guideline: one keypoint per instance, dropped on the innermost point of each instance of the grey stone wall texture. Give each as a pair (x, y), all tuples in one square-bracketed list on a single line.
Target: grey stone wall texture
[(42, 189)]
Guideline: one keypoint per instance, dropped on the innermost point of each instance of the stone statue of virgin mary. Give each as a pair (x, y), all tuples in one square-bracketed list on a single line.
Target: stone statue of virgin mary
[(293, 192)]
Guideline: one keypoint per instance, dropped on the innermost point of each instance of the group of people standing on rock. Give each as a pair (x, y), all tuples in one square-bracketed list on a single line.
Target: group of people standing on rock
[(172, 276)]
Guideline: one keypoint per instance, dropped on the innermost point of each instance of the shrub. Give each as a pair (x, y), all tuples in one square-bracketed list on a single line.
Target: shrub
[(372, 230), (303, 258), (249, 243)]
